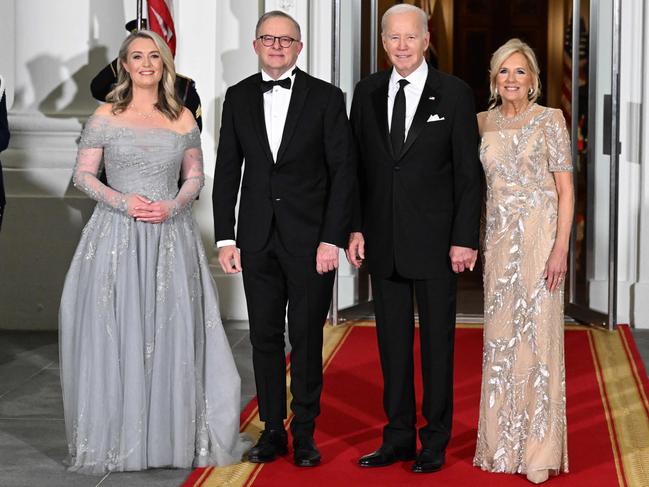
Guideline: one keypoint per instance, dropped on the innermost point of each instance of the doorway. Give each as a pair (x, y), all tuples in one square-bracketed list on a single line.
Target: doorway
[(577, 45)]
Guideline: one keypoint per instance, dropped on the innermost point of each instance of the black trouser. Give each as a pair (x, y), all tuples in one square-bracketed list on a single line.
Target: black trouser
[(393, 304), (272, 277)]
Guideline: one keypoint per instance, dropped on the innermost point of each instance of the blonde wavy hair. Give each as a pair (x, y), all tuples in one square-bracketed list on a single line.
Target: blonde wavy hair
[(501, 54), (122, 94)]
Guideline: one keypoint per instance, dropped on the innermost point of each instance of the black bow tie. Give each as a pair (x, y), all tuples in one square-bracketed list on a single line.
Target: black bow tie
[(268, 85)]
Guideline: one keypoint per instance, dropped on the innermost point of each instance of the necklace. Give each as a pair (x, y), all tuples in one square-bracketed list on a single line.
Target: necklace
[(146, 115), (503, 121)]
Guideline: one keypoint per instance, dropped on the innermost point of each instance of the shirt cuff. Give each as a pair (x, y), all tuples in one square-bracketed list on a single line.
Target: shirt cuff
[(224, 243), (329, 244)]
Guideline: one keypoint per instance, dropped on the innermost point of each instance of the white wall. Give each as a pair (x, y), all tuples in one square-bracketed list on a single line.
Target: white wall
[(637, 61), (631, 85), (217, 54), (48, 77), (633, 208), (48, 74)]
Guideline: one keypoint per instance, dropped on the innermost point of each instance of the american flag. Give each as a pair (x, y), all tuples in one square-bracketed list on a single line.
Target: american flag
[(566, 89), (428, 6), (161, 21)]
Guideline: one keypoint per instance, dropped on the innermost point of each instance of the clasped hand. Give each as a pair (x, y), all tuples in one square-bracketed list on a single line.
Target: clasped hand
[(144, 210)]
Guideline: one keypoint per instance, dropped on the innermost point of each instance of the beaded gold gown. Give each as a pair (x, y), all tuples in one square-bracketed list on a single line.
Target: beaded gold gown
[(522, 425)]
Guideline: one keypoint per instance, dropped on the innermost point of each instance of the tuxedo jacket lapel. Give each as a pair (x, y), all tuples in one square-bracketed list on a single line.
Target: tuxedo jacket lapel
[(380, 102), (427, 105), (259, 120), (295, 106)]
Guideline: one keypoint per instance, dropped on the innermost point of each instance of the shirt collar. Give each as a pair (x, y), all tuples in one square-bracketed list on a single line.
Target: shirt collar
[(417, 78), (290, 72)]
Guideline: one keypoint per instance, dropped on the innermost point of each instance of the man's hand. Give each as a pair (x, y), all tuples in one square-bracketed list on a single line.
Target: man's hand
[(230, 259), (462, 258), (355, 251), (326, 258)]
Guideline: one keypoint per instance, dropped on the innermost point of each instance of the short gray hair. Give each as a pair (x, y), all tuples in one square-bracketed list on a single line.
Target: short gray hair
[(401, 8), (277, 13)]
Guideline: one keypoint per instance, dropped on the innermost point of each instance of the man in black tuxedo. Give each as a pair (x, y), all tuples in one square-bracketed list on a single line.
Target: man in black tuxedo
[(417, 225), (295, 213)]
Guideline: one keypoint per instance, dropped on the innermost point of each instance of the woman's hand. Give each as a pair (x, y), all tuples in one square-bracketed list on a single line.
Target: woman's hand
[(154, 211), (134, 202), (556, 268)]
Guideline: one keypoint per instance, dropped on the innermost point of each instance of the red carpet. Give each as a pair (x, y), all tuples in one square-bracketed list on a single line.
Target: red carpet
[(608, 418)]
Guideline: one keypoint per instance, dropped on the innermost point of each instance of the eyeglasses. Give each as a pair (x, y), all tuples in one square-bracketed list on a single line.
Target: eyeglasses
[(269, 41)]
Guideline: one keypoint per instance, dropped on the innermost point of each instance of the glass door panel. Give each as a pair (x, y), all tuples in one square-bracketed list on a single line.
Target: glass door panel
[(591, 114)]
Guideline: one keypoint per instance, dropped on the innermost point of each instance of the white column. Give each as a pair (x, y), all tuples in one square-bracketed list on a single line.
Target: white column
[(320, 54), (631, 84), (7, 54), (299, 10), (640, 290)]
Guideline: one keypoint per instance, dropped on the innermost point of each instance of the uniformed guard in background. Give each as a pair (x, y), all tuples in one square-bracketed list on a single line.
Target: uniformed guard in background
[(101, 84)]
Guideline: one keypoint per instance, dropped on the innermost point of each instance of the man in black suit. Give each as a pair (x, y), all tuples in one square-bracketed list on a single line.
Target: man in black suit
[(295, 212), (417, 225)]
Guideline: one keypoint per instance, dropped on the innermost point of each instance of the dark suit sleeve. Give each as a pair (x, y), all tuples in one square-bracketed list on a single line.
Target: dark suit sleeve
[(227, 174), (4, 142), (4, 124), (186, 91), (356, 124), (101, 84), (193, 103), (338, 148), (466, 172)]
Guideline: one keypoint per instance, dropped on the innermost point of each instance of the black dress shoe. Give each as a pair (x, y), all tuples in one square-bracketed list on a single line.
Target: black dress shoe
[(428, 461), (271, 444), (386, 455), (305, 453)]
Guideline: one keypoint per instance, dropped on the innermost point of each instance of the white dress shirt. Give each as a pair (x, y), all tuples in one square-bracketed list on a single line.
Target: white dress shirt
[(413, 91), (276, 102)]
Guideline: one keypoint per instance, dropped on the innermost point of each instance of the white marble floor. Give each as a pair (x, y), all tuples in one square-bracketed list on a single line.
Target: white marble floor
[(32, 435)]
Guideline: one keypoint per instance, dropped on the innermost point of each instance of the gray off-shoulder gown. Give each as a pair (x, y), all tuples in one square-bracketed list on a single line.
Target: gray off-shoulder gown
[(147, 373)]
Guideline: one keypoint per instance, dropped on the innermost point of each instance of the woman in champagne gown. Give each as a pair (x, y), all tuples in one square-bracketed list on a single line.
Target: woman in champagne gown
[(147, 373), (525, 152)]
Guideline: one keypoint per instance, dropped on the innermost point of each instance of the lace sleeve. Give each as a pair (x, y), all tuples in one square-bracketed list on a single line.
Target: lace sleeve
[(191, 172), (558, 143), (87, 166)]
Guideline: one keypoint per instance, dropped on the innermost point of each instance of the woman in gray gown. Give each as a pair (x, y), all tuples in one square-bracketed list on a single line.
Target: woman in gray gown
[(147, 374)]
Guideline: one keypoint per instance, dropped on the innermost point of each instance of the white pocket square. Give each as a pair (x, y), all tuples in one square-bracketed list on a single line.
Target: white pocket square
[(434, 118)]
